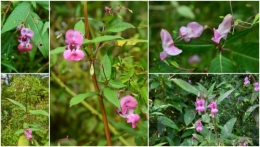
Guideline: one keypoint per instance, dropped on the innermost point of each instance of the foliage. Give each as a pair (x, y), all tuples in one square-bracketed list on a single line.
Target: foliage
[(33, 15), (235, 123), (25, 104), (239, 53), (115, 56)]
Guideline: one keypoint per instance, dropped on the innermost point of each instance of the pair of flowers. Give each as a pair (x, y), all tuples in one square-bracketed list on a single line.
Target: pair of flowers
[(256, 84), (193, 30), (24, 39), (28, 134), (200, 106)]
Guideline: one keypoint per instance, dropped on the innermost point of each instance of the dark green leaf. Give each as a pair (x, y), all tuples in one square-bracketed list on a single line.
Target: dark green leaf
[(106, 68), (221, 64), (171, 143), (249, 111), (221, 98), (206, 118), (44, 4), (189, 116), (209, 92), (228, 127), (80, 97), (198, 137), (154, 85), (18, 104), (186, 86), (111, 96), (167, 122), (9, 66), (120, 26)]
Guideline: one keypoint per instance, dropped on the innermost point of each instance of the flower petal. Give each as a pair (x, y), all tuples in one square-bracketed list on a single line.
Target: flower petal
[(172, 50), (75, 55), (166, 39), (163, 55), (74, 37)]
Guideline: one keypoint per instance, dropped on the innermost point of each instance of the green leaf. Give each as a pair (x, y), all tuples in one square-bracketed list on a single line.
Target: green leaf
[(9, 66), (106, 68), (187, 133), (130, 42), (23, 141), (123, 127), (198, 137), (185, 11), (44, 4), (175, 64), (209, 92), (42, 41), (80, 97), (186, 86), (120, 26), (18, 132), (116, 84), (33, 52), (57, 50), (249, 111), (205, 118), (238, 35), (80, 26), (143, 24), (111, 96), (189, 116), (202, 88), (154, 84), (17, 16), (221, 98), (247, 56), (39, 112), (195, 47), (102, 39), (18, 104), (167, 122), (228, 127), (221, 64), (256, 19), (171, 143), (45, 27)]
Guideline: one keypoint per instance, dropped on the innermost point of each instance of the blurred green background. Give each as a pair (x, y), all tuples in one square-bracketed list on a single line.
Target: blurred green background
[(78, 122), (172, 15)]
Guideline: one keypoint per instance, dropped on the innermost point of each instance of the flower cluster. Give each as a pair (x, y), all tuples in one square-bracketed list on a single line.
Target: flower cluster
[(28, 134), (246, 81), (256, 85), (128, 104), (213, 107), (200, 105), (24, 39), (199, 126), (74, 40)]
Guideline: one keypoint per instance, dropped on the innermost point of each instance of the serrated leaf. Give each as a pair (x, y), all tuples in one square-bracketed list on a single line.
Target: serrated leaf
[(249, 111), (39, 112), (101, 39), (80, 26), (185, 11), (185, 86), (189, 116), (116, 84), (167, 122), (120, 26), (80, 97), (18, 104), (111, 96), (57, 50), (223, 96), (129, 42), (228, 127), (247, 56), (16, 17), (106, 68), (221, 64)]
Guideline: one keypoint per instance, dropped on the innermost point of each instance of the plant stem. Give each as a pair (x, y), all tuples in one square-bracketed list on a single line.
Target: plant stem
[(94, 78), (215, 129)]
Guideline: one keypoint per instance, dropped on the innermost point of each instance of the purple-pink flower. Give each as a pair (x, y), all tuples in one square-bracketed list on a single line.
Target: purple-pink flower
[(128, 104), (193, 30), (256, 84), (246, 81), (24, 39), (223, 29), (74, 40), (28, 134), (213, 107), (199, 126), (200, 105), (168, 45)]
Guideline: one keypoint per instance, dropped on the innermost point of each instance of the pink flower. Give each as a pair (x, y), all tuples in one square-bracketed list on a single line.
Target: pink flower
[(27, 32), (25, 47), (256, 84), (28, 134), (74, 39), (168, 45), (223, 29), (246, 81), (199, 126), (200, 105), (213, 107), (193, 30), (24, 39), (128, 104)]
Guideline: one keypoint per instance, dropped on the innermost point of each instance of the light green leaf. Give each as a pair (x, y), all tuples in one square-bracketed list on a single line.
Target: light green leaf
[(249, 111), (185, 11), (116, 84), (189, 116), (186, 86), (130, 42), (120, 26), (221, 64), (102, 39), (39, 112), (45, 27), (256, 19), (111, 96), (18, 132), (106, 68), (18, 104), (143, 24), (80, 26), (17, 16), (228, 127), (167, 122), (57, 50), (223, 96), (80, 97), (23, 141), (198, 137)]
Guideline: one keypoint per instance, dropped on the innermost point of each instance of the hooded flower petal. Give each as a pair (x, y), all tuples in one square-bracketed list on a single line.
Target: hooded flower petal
[(193, 30), (127, 102), (25, 47), (74, 37), (133, 118), (27, 32), (75, 55)]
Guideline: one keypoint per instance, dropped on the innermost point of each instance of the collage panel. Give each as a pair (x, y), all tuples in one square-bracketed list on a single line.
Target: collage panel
[(25, 36), (204, 110), (204, 37), (25, 109), (99, 73)]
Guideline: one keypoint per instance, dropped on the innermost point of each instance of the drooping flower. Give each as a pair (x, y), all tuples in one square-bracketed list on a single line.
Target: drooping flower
[(28, 134), (193, 30), (256, 84), (246, 81), (213, 107), (199, 126), (168, 45), (200, 105), (128, 105), (74, 40), (24, 39), (223, 29)]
